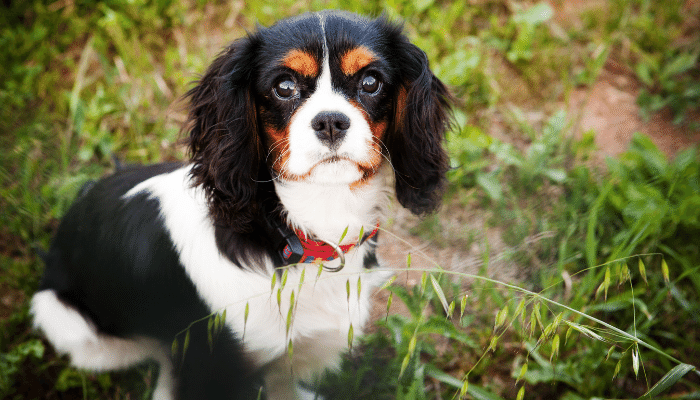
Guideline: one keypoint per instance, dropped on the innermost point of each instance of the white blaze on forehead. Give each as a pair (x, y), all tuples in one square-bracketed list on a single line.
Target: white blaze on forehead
[(307, 151)]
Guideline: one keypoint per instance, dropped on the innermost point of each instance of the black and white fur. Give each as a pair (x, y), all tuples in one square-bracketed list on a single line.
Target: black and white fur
[(148, 253)]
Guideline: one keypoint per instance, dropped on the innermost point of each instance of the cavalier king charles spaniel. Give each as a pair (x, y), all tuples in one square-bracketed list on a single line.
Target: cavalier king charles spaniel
[(242, 271)]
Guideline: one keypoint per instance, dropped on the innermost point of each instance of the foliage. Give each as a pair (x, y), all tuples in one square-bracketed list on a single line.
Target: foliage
[(666, 61), (640, 204), (11, 363), (83, 81)]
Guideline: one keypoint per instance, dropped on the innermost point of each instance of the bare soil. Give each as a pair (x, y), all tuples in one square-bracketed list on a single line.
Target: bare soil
[(609, 108)]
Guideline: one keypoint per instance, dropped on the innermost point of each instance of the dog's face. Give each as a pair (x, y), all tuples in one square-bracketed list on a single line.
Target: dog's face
[(325, 93), (323, 98)]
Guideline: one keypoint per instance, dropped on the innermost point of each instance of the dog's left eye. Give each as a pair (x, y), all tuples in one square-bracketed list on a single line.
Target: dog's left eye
[(370, 84), (285, 89)]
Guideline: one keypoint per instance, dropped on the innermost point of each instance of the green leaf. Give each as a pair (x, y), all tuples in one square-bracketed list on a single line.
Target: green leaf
[(245, 316), (523, 371), (388, 303), (412, 344), (345, 232), (679, 64), (610, 350), (290, 314), (556, 175), (538, 315), (285, 274), (520, 308), (586, 331), (493, 343), (186, 344), (210, 336), (491, 185), (440, 294), (422, 5), (591, 236), (643, 271), (644, 73), (500, 318), (463, 306), (404, 364), (624, 274), (535, 15), (388, 283), (217, 323), (664, 271), (668, 380), (555, 347), (301, 278), (465, 387), (320, 269)]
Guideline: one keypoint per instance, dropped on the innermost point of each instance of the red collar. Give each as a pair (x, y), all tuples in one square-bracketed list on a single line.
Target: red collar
[(318, 251)]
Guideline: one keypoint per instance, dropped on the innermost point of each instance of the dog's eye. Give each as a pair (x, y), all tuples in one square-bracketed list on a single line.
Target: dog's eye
[(370, 84), (285, 89)]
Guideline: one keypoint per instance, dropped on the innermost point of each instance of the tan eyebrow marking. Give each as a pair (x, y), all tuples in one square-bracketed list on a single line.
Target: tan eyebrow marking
[(356, 59), (302, 62)]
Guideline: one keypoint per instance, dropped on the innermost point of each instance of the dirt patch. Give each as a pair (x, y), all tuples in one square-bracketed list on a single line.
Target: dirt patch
[(609, 108), (11, 300), (467, 258)]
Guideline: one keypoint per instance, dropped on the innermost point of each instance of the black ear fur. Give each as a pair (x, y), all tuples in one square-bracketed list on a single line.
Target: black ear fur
[(223, 141), (415, 143)]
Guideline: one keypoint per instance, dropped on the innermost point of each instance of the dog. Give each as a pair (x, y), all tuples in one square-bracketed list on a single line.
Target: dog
[(248, 270)]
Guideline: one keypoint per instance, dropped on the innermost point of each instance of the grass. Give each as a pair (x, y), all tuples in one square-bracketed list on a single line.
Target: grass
[(606, 252)]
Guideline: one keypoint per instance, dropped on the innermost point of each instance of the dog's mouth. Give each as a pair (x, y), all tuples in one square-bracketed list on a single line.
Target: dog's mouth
[(334, 168), (335, 158)]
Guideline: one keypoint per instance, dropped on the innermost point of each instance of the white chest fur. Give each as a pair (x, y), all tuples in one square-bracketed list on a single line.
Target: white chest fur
[(323, 307)]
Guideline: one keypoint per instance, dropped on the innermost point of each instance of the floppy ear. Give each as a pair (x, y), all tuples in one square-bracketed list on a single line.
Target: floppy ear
[(415, 143), (223, 136)]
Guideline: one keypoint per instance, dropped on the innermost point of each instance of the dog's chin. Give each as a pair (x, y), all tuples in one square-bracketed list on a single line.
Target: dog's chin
[(329, 171), (335, 172)]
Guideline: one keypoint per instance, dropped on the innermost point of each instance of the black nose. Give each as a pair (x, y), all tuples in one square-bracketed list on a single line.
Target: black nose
[(330, 127)]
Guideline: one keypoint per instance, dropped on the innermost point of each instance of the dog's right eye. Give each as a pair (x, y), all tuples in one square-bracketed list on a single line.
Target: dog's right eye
[(285, 89)]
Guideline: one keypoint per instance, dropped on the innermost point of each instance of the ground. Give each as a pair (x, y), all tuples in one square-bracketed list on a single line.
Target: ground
[(607, 107)]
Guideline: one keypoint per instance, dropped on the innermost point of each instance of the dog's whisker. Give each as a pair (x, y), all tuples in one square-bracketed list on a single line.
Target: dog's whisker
[(276, 144), (381, 153), (169, 250)]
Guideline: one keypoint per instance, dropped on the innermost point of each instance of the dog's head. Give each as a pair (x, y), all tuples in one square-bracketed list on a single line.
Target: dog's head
[(324, 98)]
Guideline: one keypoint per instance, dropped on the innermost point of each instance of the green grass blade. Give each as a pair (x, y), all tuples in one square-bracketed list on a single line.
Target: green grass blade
[(475, 391), (668, 380), (591, 240), (440, 294)]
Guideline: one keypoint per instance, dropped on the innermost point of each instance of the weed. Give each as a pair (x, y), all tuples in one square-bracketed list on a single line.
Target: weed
[(665, 61), (84, 81)]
